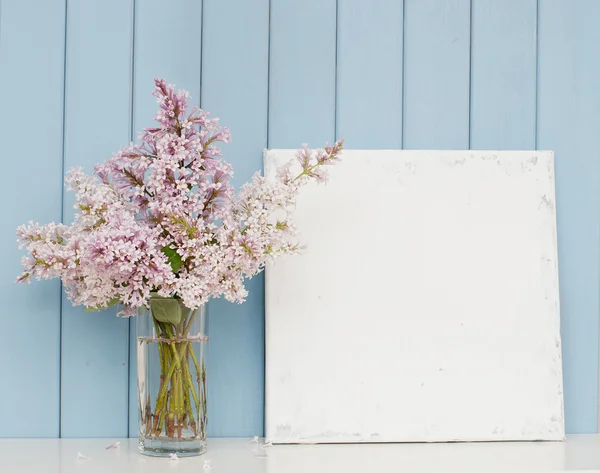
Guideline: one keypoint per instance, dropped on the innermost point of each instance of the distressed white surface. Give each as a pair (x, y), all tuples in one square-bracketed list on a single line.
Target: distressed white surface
[(425, 307), (577, 453)]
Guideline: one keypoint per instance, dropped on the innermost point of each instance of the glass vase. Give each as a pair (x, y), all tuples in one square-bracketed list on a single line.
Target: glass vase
[(171, 378)]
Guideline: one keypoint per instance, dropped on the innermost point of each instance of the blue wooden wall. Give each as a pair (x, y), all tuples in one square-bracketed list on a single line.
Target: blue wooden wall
[(76, 78)]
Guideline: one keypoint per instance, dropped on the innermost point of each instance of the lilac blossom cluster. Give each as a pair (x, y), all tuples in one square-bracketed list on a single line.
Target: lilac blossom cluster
[(162, 217)]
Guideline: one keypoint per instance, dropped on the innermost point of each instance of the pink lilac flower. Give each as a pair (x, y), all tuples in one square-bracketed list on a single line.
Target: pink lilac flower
[(162, 217)]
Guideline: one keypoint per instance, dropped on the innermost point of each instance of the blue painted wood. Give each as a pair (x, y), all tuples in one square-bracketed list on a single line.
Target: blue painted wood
[(302, 73), (178, 62), (503, 74), (235, 57), (31, 136), (95, 353), (436, 74), (369, 81), (568, 123), (292, 101), (156, 57)]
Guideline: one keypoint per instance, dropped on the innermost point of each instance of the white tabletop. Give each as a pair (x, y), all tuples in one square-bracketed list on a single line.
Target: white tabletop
[(577, 453)]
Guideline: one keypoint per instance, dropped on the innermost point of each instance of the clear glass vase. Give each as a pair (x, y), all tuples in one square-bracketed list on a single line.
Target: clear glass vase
[(171, 378)]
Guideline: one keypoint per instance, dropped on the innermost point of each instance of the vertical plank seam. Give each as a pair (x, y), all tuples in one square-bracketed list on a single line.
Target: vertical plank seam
[(470, 66), (200, 93), (402, 75), (335, 92), (264, 426), (268, 72), (131, 138), (537, 73), (132, 74), (201, 51), (0, 23), (62, 215)]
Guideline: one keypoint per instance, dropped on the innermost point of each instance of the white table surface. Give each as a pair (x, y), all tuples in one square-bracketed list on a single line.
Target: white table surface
[(577, 453)]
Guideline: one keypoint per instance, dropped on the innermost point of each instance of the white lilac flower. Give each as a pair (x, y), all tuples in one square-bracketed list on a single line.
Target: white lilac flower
[(162, 216)]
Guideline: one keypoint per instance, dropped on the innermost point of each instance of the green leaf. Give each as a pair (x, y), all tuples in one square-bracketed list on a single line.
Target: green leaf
[(166, 310), (97, 309), (174, 258)]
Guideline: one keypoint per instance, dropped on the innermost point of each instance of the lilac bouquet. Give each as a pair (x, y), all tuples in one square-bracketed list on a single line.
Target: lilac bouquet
[(159, 229), (162, 218)]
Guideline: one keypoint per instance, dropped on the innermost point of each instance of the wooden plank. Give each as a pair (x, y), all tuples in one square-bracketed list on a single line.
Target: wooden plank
[(503, 74), (568, 123), (369, 81), (235, 82), (31, 131), (302, 73), (436, 74), (95, 346), (156, 57)]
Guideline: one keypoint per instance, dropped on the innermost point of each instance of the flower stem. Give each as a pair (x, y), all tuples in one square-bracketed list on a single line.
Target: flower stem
[(188, 377), (189, 322), (178, 404), (196, 365), (161, 401), (203, 415), (176, 408)]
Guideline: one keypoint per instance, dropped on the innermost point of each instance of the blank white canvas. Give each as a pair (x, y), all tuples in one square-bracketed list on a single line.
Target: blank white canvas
[(425, 305)]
